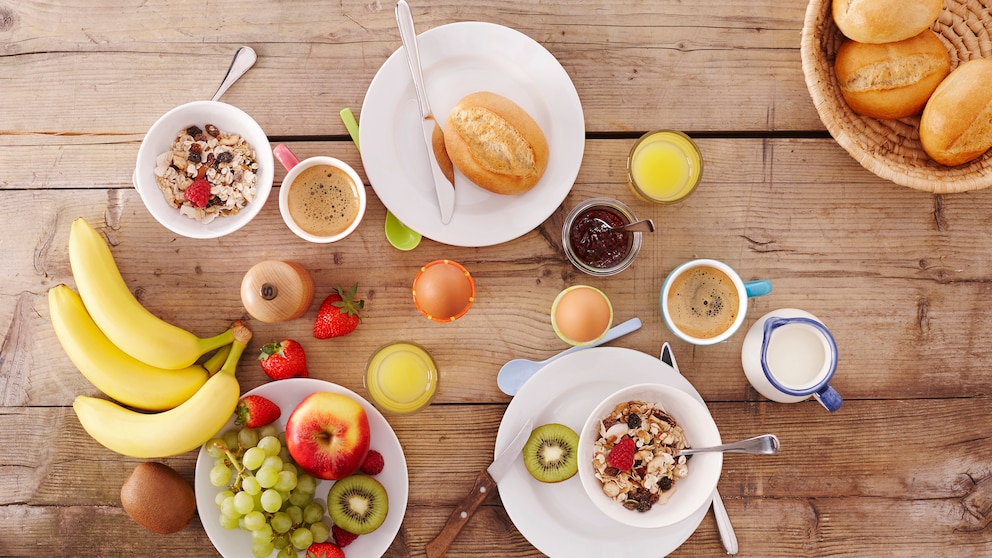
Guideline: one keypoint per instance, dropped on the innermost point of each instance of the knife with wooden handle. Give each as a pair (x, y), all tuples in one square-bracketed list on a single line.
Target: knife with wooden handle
[(485, 482)]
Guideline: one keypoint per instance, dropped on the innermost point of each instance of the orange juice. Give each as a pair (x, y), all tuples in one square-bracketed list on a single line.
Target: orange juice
[(664, 166), (401, 378)]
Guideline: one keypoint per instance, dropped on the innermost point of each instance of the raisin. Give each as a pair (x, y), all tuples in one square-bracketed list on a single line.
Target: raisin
[(225, 157), (210, 159), (611, 471), (195, 153), (633, 420), (212, 130), (193, 130), (665, 483)]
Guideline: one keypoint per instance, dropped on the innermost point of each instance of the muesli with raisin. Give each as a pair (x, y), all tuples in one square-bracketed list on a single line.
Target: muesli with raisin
[(207, 173), (636, 457)]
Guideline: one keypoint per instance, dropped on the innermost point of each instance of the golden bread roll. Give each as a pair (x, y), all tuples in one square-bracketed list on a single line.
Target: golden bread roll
[(884, 21), (891, 80), (495, 143), (956, 126)]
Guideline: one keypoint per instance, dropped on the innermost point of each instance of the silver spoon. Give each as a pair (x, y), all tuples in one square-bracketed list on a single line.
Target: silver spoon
[(644, 225), (513, 374), (244, 58), (766, 444)]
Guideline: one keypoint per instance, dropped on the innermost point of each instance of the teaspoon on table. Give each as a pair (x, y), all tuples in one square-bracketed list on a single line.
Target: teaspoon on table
[(244, 59), (515, 373), (766, 444)]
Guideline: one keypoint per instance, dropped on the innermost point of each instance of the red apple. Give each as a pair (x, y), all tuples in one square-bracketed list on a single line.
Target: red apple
[(328, 435)]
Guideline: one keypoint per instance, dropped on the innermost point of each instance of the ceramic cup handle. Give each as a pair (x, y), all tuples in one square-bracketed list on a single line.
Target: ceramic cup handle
[(829, 398), (285, 156), (757, 288)]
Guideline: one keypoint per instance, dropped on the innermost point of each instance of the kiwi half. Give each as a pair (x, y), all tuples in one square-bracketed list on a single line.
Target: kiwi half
[(551, 453), (357, 504)]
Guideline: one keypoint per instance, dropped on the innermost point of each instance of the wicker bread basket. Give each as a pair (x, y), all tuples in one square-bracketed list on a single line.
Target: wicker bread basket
[(891, 148)]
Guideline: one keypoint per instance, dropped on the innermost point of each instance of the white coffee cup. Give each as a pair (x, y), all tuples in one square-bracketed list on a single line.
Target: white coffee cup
[(704, 301), (353, 185)]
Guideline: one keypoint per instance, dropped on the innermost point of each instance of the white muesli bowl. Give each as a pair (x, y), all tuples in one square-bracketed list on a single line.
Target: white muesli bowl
[(687, 494), (159, 140)]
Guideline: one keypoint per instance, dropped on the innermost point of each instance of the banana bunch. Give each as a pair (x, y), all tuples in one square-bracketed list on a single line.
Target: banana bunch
[(128, 324), (114, 372), (172, 432), (140, 360)]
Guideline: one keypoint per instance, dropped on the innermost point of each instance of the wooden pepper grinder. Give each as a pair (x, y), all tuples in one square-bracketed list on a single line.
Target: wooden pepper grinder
[(277, 291)]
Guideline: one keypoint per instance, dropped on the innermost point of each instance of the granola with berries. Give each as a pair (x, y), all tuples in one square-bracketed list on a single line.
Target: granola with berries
[(636, 457), (207, 173)]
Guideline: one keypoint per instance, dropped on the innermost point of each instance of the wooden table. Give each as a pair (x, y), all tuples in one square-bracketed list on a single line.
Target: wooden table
[(901, 277)]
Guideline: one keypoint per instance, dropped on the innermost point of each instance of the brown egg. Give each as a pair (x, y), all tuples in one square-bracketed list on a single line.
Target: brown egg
[(443, 290), (158, 498), (581, 314)]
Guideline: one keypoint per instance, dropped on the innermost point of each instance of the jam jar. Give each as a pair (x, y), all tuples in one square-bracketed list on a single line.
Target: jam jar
[(591, 241)]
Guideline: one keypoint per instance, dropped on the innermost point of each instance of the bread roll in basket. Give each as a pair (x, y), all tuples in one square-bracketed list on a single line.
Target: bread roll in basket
[(891, 148)]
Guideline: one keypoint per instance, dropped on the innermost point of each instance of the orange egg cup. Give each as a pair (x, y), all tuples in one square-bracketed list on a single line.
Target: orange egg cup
[(460, 313)]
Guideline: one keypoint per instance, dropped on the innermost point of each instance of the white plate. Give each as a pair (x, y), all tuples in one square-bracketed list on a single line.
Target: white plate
[(287, 394), (458, 59), (560, 519)]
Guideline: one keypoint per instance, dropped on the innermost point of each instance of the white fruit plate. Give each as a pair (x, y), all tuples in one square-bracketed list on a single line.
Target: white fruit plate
[(287, 394)]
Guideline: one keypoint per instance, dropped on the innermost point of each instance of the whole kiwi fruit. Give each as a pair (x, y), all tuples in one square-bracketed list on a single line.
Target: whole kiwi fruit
[(358, 504), (551, 453), (158, 498)]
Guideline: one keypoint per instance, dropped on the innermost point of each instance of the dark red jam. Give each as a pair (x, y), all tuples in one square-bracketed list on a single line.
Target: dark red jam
[(596, 241)]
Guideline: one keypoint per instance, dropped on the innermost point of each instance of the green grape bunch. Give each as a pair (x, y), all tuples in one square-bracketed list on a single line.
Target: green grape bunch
[(264, 492)]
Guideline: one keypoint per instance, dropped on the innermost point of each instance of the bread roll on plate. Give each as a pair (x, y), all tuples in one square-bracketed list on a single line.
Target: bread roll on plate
[(884, 21), (891, 80), (956, 126), (495, 143)]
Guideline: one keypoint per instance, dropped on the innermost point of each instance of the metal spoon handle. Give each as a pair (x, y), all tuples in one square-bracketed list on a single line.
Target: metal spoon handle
[(244, 58), (766, 444), (727, 535), (646, 225)]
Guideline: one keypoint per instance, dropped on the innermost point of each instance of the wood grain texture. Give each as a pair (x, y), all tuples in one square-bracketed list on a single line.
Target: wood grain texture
[(900, 277)]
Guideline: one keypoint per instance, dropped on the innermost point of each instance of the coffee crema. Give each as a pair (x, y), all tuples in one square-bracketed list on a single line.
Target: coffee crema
[(323, 200), (703, 302)]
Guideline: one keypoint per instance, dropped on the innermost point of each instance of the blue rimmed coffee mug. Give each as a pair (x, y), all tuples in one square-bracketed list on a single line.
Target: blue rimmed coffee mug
[(704, 301), (789, 356)]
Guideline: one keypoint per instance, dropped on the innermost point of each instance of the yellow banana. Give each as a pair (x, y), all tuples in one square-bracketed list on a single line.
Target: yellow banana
[(120, 316), (172, 432), (113, 371)]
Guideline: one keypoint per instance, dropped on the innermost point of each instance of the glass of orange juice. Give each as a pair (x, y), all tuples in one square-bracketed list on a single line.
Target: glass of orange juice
[(664, 166), (401, 378)]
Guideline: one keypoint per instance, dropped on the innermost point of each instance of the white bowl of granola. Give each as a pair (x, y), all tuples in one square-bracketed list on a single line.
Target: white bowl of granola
[(630, 467), (204, 169)]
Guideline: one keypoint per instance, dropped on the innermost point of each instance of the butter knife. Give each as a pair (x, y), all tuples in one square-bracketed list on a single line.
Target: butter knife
[(445, 190), (727, 535), (484, 484)]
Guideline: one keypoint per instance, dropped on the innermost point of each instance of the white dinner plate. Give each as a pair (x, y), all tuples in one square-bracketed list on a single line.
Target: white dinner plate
[(458, 59), (560, 519), (287, 394)]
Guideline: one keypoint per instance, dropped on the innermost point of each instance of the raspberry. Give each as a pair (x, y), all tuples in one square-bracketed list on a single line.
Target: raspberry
[(622, 455), (198, 192), (342, 537), (373, 463)]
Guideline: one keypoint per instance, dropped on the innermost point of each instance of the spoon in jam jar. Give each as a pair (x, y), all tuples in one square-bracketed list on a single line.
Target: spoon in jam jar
[(644, 225)]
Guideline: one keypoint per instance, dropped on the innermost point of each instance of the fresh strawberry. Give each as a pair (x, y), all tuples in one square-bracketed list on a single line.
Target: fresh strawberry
[(198, 193), (342, 537), (284, 359), (324, 550), (622, 454), (373, 463), (255, 411), (338, 314)]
